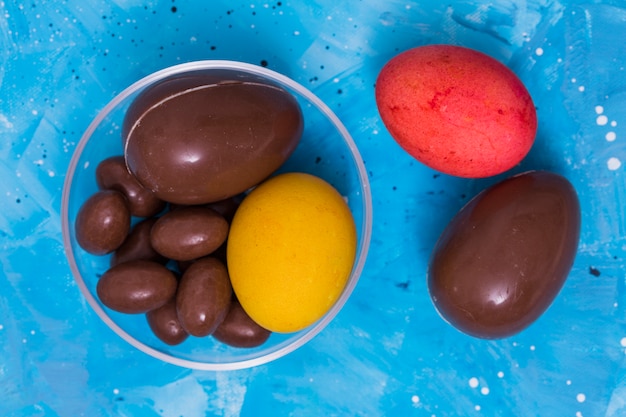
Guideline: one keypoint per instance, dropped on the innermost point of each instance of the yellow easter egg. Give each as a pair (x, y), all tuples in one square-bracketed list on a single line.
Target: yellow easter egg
[(291, 249)]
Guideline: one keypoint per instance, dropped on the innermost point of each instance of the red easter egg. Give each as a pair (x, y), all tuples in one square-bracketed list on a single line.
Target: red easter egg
[(456, 110)]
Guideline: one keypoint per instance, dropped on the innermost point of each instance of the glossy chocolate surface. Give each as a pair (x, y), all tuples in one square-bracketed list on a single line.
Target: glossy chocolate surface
[(189, 233), (239, 330), (209, 135), (136, 286), (102, 222), (227, 207), (112, 174), (137, 245), (204, 296), (165, 324), (505, 256)]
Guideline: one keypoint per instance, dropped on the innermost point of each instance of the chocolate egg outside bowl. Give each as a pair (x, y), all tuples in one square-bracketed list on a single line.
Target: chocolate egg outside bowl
[(504, 257), (316, 143)]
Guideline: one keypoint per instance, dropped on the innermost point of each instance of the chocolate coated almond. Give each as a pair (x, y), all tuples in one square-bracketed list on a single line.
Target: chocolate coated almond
[(204, 296), (227, 207), (137, 245), (112, 174), (188, 233), (239, 330), (165, 324), (136, 286), (505, 256), (102, 222)]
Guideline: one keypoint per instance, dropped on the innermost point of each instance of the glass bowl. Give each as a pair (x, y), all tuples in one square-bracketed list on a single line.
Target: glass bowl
[(325, 150)]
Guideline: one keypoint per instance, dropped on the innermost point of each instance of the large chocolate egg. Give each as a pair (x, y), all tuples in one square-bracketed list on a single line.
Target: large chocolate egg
[(209, 135), (505, 256)]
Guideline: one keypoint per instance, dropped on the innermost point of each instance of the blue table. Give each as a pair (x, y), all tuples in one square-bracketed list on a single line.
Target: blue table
[(388, 352)]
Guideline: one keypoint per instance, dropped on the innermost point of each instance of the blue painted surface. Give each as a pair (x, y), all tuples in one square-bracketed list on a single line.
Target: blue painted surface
[(388, 352)]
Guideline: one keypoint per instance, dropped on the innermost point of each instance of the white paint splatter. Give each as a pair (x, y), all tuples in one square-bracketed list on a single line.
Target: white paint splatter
[(539, 51), (5, 122), (532, 348), (197, 402), (477, 407), (599, 109), (231, 391), (484, 391), (581, 398), (116, 391), (568, 382), (613, 123), (415, 399), (500, 374), (623, 342), (613, 164), (393, 343), (611, 136), (602, 120), (473, 382), (581, 88)]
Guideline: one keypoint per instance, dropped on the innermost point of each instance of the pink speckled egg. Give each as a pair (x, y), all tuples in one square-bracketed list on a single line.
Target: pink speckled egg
[(456, 110)]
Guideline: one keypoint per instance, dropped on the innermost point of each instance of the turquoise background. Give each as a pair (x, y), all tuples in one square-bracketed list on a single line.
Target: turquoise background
[(388, 353)]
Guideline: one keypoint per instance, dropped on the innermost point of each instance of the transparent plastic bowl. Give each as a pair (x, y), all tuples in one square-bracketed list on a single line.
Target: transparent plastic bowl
[(325, 150)]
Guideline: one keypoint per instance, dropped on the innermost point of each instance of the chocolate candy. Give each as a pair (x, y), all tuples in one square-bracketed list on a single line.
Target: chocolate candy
[(227, 207), (102, 222), (112, 174), (239, 330), (204, 296), (137, 245), (504, 257), (197, 141), (136, 286), (165, 324), (209, 135), (188, 233)]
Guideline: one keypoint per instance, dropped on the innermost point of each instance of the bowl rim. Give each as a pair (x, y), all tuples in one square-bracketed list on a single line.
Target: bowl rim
[(366, 226)]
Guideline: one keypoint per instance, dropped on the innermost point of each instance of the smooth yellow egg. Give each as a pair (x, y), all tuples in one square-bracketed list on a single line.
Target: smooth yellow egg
[(291, 249)]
